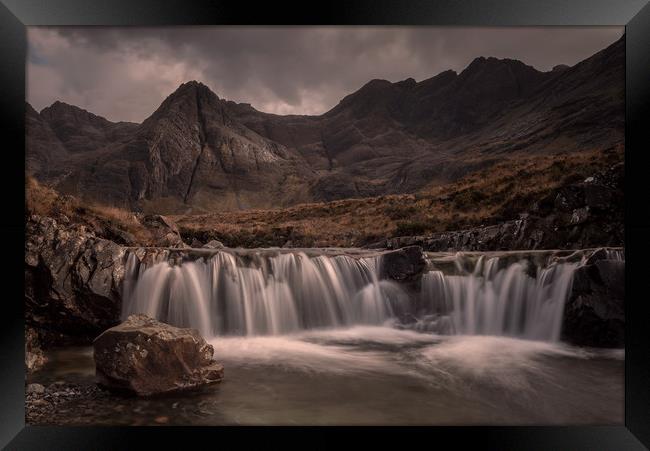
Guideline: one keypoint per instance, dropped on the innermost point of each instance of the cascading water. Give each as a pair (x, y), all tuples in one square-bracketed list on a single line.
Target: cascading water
[(273, 293), (228, 294), (509, 295), (500, 301)]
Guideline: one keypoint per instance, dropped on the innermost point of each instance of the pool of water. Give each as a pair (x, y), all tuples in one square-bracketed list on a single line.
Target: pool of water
[(371, 375)]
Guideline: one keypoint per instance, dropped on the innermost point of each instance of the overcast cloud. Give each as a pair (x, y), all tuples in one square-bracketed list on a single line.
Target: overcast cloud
[(125, 73)]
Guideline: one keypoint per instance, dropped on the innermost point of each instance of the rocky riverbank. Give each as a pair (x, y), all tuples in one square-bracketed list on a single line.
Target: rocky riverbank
[(75, 262), (581, 215), (51, 404), (74, 283)]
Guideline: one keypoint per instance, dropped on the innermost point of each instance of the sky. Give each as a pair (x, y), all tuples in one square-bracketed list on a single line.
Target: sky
[(124, 73)]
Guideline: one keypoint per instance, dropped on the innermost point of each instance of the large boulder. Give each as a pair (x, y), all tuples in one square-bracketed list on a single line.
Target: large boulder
[(594, 314), (146, 357), (73, 279)]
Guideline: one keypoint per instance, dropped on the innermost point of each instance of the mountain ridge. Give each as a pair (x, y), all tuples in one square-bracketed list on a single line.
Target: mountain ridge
[(198, 152)]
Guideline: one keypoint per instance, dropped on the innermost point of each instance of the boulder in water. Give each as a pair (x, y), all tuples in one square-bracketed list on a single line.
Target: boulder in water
[(146, 357), (404, 264)]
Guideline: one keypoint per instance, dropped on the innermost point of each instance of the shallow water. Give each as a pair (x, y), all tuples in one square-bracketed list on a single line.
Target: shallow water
[(369, 375)]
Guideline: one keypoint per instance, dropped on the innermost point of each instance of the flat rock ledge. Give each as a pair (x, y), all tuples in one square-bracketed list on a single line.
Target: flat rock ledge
[(145, 357)]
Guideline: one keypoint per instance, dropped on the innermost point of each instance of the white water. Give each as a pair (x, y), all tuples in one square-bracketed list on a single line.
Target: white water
[(227, 294), (274, 293), (506, 301)]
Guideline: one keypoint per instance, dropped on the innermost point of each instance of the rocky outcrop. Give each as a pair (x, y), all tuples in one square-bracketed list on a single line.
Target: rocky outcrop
[(403, 265), (213, 244), (164, 231), (594, 314), (146, 357), (581, 215), (72, 279)]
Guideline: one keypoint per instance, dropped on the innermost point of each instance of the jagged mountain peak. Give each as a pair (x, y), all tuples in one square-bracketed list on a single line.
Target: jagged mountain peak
[(193, 88), (199, 150), (485, 66), (59, 108)]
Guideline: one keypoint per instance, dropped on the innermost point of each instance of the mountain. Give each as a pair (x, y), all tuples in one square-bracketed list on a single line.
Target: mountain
[(198, 152), (188, 151), (80, 130)]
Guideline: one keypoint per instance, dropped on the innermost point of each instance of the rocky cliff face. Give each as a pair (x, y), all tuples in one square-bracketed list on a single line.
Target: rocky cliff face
[(81, 131), (190, 151), (72, 280), (201, 152)]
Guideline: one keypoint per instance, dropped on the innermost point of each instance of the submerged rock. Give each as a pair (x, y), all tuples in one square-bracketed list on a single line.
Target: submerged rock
[(146, 357), (594, 314)]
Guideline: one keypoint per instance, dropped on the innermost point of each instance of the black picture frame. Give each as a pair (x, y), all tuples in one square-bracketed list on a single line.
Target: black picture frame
[(633, 14)]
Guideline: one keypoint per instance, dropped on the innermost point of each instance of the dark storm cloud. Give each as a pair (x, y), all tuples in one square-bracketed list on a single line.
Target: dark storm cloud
[(125, 73)]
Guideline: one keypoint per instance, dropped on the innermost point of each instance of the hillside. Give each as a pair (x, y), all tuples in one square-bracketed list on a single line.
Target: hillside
[(527, 187)]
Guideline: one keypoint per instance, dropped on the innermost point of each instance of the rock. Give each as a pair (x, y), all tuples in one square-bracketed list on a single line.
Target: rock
[(147, 357), (377, 245), (594, 314), (73, 280), (213, 244), (35, 388), (164, 230), (598, 196), (404, 264), (34, 357), (569, 198), (580, 216), (119, 236), (575, 216), (196, 243)]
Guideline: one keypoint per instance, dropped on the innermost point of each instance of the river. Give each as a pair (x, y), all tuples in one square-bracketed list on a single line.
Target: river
[(324, 337)]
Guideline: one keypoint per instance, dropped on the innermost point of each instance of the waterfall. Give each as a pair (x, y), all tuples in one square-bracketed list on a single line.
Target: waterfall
[(268, 292), (494, 299), (229, 294)]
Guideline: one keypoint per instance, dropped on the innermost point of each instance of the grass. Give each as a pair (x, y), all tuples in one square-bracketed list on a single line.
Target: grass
[(105, 221), (498, 193)]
